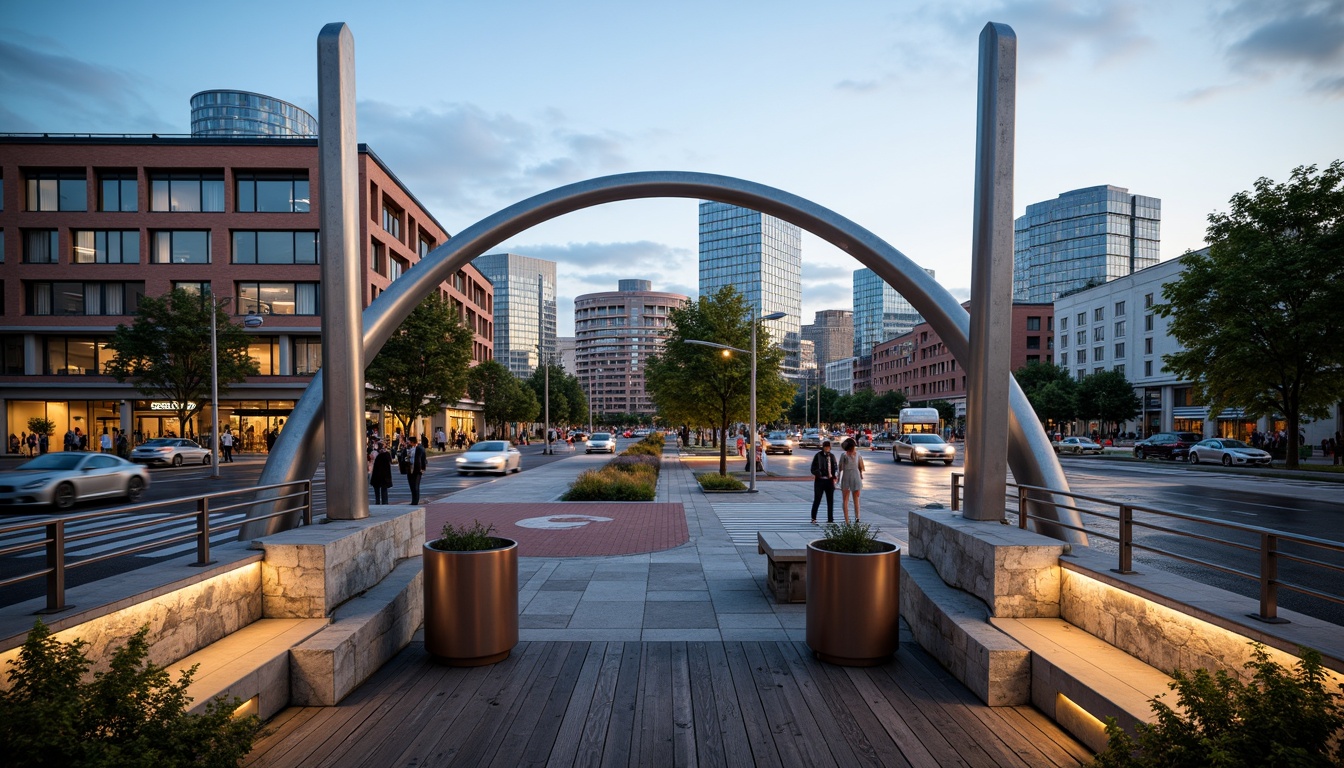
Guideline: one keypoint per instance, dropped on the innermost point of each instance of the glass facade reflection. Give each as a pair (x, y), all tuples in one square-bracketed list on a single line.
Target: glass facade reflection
[(762, 257), (1083, 238), (524, 310), (241, 113), (880, 313)]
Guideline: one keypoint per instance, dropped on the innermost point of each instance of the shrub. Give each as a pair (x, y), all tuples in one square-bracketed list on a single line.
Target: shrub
[(855, 537), (632, 462), (642, 448), (1280, 718), (131, 715), (713, 481), (468, 538), (609, 484)]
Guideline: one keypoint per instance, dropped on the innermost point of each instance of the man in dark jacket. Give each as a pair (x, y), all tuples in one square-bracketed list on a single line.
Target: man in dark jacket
[(415, 454), (824, 468)]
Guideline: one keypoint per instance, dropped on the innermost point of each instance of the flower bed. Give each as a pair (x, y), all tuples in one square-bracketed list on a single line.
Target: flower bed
[(631, 476)]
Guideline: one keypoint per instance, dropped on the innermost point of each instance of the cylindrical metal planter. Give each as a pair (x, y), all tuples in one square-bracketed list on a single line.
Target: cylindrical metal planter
[(471, 604), (853, 605)]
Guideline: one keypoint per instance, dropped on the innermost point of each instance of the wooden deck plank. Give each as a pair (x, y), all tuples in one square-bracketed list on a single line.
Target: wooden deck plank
[(683, 715), (917, 739), (1047, 729), (795, 724), (709, 739), (570, 735), (764, 751), (369, 705), (920, 706), (467, 737), (833, 695), (598, 720), (278, 732), (654, 705), (508, 735), (620, 743), (428, 681), (544, 737)]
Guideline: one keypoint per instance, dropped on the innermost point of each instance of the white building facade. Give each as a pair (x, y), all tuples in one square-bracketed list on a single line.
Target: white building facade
[(840, 376)]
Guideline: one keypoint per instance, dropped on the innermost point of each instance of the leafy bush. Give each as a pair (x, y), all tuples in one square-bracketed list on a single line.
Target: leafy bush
[(610, 484), (855, 537), (468, 538), (636, 462), (131, 715), (713, 481), (642, 448), (1281, 718)]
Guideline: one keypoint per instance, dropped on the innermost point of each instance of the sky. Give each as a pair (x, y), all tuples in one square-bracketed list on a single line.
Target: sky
[(867, 108)]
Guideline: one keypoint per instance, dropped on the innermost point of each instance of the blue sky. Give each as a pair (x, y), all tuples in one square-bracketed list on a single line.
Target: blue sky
[(865, 107)]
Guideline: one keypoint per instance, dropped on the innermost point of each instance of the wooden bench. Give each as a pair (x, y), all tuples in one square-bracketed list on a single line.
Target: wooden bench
[(785, 563)]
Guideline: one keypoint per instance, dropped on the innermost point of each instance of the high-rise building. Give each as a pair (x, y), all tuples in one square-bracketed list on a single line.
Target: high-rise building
[(762, 257), (524, 310), (1083, 238), (880, 313), (243, 113), (615, 332), (832, 334)]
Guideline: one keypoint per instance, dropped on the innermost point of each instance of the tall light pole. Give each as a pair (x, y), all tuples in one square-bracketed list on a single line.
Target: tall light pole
[(252, 320), (751, 446)]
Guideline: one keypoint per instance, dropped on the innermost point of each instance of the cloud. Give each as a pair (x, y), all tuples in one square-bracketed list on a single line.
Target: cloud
[(1305, 37), (1106, 31), (80, 93)]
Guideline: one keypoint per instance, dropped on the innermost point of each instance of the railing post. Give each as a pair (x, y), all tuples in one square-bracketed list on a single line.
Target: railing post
[(308, 502), (56, 564), (956, 491), (203, 531), (1269, 579), (1126, 539), (1021, 508)]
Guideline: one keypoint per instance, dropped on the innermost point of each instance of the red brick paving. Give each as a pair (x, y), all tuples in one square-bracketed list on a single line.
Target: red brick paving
[(635, 527)]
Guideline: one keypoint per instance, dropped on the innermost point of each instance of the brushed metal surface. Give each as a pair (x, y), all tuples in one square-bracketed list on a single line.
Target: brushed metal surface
[(853, 605), (471, 604)]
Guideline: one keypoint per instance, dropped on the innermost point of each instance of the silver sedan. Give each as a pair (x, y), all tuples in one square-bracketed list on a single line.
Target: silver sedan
[(1221, 450), (921, 447), (490, 456), (61, 479), (170, 450)]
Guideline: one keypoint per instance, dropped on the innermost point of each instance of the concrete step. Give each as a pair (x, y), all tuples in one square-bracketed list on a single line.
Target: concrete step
[(252, 664), (1080, 680)]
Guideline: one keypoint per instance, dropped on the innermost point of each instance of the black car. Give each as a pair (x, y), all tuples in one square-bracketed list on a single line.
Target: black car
[(1167, 445)]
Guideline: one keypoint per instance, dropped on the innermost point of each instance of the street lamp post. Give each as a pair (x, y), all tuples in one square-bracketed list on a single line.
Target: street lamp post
[(252, 320), (751, 448)]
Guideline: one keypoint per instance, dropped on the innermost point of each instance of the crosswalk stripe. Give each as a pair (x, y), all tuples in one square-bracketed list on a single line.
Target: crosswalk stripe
[(742, 521)]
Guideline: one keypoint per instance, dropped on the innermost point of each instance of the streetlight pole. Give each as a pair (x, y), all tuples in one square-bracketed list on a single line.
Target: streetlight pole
[(252, 320)]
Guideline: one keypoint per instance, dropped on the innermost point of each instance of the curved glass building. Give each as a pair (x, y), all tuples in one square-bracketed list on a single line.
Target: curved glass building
[(243, 113)]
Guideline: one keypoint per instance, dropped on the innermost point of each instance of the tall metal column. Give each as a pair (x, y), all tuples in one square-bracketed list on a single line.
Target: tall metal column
[(988, 373), (342, 316)]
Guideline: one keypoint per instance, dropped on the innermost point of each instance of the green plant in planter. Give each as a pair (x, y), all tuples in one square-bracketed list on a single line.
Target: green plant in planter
[(713, 481), (467, 538), (1281, 718), (856, 537), (131, 715)]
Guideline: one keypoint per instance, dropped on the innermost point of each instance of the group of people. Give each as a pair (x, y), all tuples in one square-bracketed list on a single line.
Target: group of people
[(407, 453), (830, 472)]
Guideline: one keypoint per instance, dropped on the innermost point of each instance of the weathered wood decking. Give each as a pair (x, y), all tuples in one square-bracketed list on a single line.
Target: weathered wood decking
[(663, 704)]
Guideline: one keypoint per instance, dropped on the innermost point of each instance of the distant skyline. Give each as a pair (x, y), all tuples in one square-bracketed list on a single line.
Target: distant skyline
[(866, 107)]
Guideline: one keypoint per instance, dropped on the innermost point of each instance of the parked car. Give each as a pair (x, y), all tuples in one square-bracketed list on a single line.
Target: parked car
[(884, 441), (641, 433), (812, 438), (1078, 445), (490, 456), (923, 447), (61, 479), (778, 442), (1221, 450), (1167, 445), (601, 442), (170, 450)]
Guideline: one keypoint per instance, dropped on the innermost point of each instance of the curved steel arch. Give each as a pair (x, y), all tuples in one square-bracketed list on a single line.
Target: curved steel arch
[(297, 452)]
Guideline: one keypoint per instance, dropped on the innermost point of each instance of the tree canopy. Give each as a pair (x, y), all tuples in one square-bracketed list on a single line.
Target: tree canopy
[(1051, 390), (503, 397), (423, 366), (1108, 397), (702, 386), (165, 351), (1257, 313), (568, 403)]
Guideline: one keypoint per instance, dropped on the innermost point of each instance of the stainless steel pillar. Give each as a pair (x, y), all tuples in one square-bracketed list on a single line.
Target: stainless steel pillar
[(988, 372)]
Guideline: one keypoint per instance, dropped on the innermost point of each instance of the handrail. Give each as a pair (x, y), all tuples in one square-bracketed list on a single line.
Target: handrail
[(1269, 548), (55, 543)]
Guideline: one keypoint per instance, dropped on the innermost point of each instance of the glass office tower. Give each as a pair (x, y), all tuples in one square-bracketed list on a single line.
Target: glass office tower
[(880, 313), (524, 310), (1083, 238), (762, 257)]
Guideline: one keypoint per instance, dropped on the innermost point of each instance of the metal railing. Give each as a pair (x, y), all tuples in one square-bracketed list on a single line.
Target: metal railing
[(1270, 549), (286, 498)]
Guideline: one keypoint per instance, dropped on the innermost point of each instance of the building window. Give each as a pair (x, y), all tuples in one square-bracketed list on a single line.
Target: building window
[(107, 247), (1119, 328), (75, 356), (1147, 322), (1098, 333), (1033, 342), (377, 254), (180, 247), (1082, 373), (392, 220), (1147, 300), (1050, 323), (1033, 358), (1080, 338), (40, 246), (1148, 346), (426, 245), (273, 193), (1119, 309), (1098, 369), (199, 289), (1064, 323), (1082, 356), (1147, 367), (1099, 314), (1119, 350), (307, 355), (1033, 323), (83, 298), (118, 192), (1120, 368), (279, 247), (1063, 358), (394, 268), (57, 191), (1098, 354), (12, 346), (187, 192), (266, 351), (278, 298), (1081, 319)]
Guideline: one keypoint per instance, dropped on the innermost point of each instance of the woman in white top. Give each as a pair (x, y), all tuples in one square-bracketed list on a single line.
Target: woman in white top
[(851, 477)]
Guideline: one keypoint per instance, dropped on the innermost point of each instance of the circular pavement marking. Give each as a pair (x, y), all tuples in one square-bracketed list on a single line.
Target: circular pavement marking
[(560, 522)]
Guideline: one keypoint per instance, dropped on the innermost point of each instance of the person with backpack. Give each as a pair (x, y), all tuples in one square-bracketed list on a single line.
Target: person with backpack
[(415, 463)]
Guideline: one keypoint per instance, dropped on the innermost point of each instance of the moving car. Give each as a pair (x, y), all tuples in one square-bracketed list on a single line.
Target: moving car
[(1078, 445), (641, 433), (778, 442), (1167, 445), (1225, 451), (812, 438), (922, 447), (884, 441), (490, 456), (578, 435), (601, 442), (170, 450), (61, 479)]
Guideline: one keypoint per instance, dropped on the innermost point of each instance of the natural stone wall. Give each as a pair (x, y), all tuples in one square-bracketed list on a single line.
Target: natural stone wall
[(1015, 572), (308, 572)]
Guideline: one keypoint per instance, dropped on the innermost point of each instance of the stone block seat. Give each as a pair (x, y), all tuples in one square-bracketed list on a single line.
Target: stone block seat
[(1099, 679), (785, 563), (251, 664)]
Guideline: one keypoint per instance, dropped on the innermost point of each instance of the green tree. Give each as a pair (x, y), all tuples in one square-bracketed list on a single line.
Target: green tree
[(1109, 398), (503, 397), (423, 366), (886, 406), (1257, 313), (1053, 393), (568, 405), (165, 352), (702, 386), (40, 426), (805, 412)]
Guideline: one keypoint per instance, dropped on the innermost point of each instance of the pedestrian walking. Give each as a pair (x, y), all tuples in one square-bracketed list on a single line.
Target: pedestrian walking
[(418, 463), (226, 446), (824, 469), (105, 442), (380, 472), (851, 477)]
